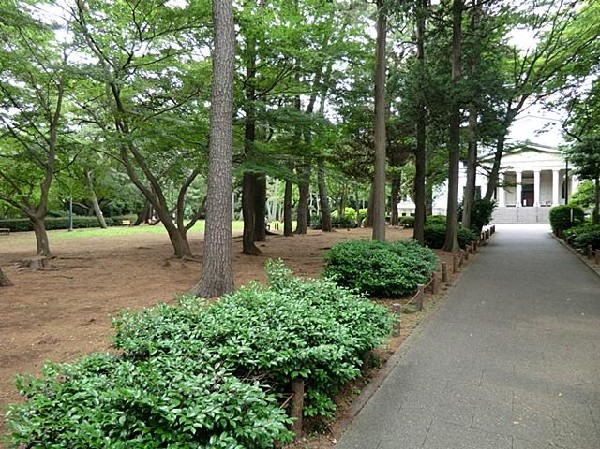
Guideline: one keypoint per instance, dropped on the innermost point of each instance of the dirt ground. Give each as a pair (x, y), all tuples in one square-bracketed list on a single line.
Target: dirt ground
[(64, 311)]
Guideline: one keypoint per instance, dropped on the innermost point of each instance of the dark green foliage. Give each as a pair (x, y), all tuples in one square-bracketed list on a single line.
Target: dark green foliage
[(564, 217), (105, 401), (436, 220), (481, 214), (24, 224), (407, 221), (435, 235), (345, 221), (200, 375), (378, 268), (584, 235)]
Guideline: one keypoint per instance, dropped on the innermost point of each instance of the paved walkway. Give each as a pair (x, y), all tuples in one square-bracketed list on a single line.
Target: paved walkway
[(511, 361)]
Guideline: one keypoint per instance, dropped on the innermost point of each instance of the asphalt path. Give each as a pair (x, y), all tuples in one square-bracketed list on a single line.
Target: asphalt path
[(511, 361)]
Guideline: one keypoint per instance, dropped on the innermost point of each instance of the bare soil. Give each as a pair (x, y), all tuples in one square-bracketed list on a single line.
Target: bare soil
[(64, 311)]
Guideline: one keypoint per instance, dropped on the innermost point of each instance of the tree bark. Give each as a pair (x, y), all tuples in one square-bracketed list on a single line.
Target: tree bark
[(596, 211), (378, 203), (217, 271), (4, 281), (287, 209), (395, 198), (302, 207), (41, 236), (323, 199), (421, 129), (248, 187), (259, 200), (451, 240), (90, 180)]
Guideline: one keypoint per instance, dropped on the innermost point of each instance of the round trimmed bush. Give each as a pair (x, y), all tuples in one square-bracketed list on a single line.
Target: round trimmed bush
[(380, 269), (564, 217)]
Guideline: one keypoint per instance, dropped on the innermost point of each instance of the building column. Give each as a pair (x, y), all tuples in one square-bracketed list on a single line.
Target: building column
[(555, 187), (519, 189), (501, 193), (536, 188)]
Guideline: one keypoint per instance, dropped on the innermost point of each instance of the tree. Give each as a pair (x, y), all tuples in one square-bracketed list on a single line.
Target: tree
[(33, 144), (379, 132), (217, 272)]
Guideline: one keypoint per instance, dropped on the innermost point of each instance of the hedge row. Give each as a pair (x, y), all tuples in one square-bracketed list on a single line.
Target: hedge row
[(200, 375), (24, 224), (584, 235), (564, 217), (435, 235)]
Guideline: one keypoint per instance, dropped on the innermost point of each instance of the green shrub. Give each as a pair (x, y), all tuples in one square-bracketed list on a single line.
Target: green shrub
[(200, 375), (407, 221), (52, 223), (564, 217), (584, 235), (379, 268), (105, 401), (436, 220), (435, 235), (481, 214)]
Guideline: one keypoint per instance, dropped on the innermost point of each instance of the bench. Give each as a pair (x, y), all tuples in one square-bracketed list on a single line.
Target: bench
[(4, 231), (126, 223)]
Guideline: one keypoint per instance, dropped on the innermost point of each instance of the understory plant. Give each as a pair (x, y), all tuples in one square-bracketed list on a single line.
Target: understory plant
[(435, 234), (380, 269), (206, 375), (583, 236)]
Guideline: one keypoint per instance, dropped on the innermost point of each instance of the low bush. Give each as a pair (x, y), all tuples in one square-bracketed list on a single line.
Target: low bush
[(200, 375), (378, 268), (52, 223), (436, 220), (564, 217), (435, 235), (584, 235), (407, 221)]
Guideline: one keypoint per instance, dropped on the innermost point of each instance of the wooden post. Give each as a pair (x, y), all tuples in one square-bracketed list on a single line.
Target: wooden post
[(434, 284), (467, 251), (590, 252), (420, 296), (297, 407), (455, 263), (444, 272), (461, 258), (597, 257)]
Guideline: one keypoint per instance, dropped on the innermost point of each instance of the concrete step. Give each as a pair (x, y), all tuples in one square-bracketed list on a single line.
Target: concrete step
[(521, 215)]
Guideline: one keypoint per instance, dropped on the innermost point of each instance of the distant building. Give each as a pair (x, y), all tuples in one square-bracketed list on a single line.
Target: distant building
[(531, 181)]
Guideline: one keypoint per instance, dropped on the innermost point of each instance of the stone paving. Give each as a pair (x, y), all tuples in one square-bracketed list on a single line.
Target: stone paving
[(511, 361)]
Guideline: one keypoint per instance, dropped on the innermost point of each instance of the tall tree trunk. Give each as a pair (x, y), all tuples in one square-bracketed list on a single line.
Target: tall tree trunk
[(378, 204), (395, 197), (323, 199), (287, 209), (302, 207), (90, 180), (217, 272), (471, 162), (451, 240), (259, 200), (421, 129), (145, 214), (369, 217), (4, 281), (495, 171), (596, 211), (248, 187)]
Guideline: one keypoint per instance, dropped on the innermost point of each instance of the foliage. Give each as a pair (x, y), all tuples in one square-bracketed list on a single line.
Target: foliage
[(584, 195), (435, 235), (436, 220), (24, 224), (104, 401), (481, 213), (379, 268), (311, 329), (564, 217), (407, 221), (584, 235)]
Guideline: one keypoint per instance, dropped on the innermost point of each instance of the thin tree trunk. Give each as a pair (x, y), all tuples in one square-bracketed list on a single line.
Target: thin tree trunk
[(4, 281), (287, 209), (395, 197), (378, 204), (145, 214), (451, 240), (90, 179), (495, 172), (596, 211), (324, 201), (217, 272), (421, 129)]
